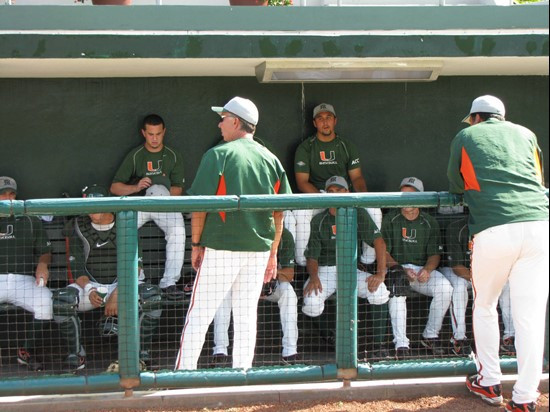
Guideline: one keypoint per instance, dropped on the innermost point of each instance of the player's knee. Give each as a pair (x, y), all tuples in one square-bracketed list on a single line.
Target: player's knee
[(64, 303), (380, 296), (287, 292), (150, 299), (313, 307)]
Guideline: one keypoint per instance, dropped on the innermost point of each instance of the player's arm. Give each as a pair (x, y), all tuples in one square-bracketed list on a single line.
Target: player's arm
[(314, 285), (123, 189), (285, 274), (42, 271), (176, 191), (271, 269), (303, 184), (84, 282), (111, 306), (357, 180), (431, 264), (380, 251), (462, 271), (197, 226)]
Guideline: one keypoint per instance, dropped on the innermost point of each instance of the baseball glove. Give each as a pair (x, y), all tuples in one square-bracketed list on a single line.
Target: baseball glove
[(396, 281)]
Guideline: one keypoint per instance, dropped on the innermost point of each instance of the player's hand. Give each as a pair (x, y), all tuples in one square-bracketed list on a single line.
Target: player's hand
[(423, 275), (374, 281), (42, 275), (143, 184), (411, 274), (197, 255), (95, 299), (111, 305), (314, 286), (271, 269)]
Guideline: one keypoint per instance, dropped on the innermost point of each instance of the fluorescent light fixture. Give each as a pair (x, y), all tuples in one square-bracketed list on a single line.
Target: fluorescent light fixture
[(402, 70)]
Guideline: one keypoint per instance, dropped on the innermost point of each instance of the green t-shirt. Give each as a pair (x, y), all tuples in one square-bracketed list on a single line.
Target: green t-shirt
[(240, 167), (498, 167), (321, 245), (285, 252), (159, 166), (411, 241), (93, 253), (22, 241), (322, 160), (456, 243)]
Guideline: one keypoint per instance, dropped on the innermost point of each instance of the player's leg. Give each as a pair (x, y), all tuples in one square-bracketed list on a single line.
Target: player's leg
[(459, 302), (529, 296), (507, 346), (314, 304), (221, 327), (303, 230), (378, 301), (150, 308), (173, 226), (367, 252), (217, 273), (286, 298), (245, 294), (289, 222)]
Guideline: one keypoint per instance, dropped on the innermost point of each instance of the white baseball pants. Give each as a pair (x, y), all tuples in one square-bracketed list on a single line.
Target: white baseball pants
[(314, 305), (221, 272), (515, 253), (285, 296), (173, 226), (22, 291)]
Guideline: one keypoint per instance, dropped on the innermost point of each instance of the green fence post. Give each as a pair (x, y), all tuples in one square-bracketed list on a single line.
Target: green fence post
[(346, 306), (128, 332)]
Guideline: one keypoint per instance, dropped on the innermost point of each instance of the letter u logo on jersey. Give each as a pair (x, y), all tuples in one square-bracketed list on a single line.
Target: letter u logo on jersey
[(410, 236), (9, 231), (324, 157), (150, 167)]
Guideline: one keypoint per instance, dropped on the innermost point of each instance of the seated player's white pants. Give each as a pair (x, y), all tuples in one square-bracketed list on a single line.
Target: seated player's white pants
[(298, 222), (515, 253), (459, 304), (173, 226), (223, 271), (22, 291), (285, 296), (314, 305), (441, 291)]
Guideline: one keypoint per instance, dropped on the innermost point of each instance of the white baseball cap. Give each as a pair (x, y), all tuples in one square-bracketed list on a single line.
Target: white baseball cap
[(323, 107), (414, 182), (7, 183), (486, 104), (243, 108), (336, 181), (157, 190)]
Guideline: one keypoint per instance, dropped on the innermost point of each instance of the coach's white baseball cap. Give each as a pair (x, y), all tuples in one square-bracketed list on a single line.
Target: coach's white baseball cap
[(413, 182), (242, 107), (486, 104)]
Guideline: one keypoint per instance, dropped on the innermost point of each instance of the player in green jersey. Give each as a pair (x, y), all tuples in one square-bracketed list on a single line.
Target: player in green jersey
[(25, 254), (154, 169)]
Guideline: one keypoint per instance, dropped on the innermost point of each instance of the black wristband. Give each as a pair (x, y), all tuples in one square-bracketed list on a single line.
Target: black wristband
[(195, 244)]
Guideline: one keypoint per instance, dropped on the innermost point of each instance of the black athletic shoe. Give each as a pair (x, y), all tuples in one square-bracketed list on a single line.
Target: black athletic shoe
[(461, 347), (521, 407), (146, 363), (508, 347), (433, 344), (172, 293), (25, 358), (220, 360), (489, 394), (291, 360), (188, 289), (75, 362), (402, 353)]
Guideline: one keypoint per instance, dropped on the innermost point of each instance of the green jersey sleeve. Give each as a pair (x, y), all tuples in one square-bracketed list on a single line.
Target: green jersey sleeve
[(177, 174), (208, 175), (41, 244), (456, 181), (285, 253), (354, 161), (434, 246), (456, 243), (367, 229), (125, 171), (313, 248)]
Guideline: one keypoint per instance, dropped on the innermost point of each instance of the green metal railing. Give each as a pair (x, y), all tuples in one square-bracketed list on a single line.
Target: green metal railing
[(129, 376)]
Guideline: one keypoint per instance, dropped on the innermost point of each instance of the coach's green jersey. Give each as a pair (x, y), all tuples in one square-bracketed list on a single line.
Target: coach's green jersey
[(22, 241), (93, 252), (159, 167), (285, 252), (456, 243), (240, 167), (321, 245), (411, 241), (498, 167), (322, 160)]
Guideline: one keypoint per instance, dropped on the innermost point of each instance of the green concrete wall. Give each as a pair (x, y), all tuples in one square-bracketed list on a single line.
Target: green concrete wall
[(58, 135)]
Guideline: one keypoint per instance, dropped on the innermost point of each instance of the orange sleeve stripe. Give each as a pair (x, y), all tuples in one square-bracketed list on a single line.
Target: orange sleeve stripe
[(538, 165), (277, 186), (221, 191), (468, 172)]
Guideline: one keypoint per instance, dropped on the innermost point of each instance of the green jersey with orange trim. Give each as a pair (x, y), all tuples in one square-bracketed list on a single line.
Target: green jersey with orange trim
[(321, 245), (498, 167), (322, 160), (285, 252), (158, 166), (240, 167), (411, 241)]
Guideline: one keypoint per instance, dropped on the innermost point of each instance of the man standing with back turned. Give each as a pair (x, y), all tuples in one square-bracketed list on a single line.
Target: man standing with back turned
[(233, 251), (498, 167)]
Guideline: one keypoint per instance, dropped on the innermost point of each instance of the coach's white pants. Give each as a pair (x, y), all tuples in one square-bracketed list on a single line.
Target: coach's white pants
[(298, 222), (22, 291), (285, 296), (441, 291), (173, 226), (515, 253), (314, 305), (223, 271)]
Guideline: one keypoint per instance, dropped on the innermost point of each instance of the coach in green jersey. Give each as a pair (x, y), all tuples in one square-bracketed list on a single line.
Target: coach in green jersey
[(414, 250), (155, 169), (233, 251), (25, 253)]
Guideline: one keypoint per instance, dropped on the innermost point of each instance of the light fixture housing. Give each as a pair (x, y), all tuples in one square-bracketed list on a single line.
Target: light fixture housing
[(346, 71)]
